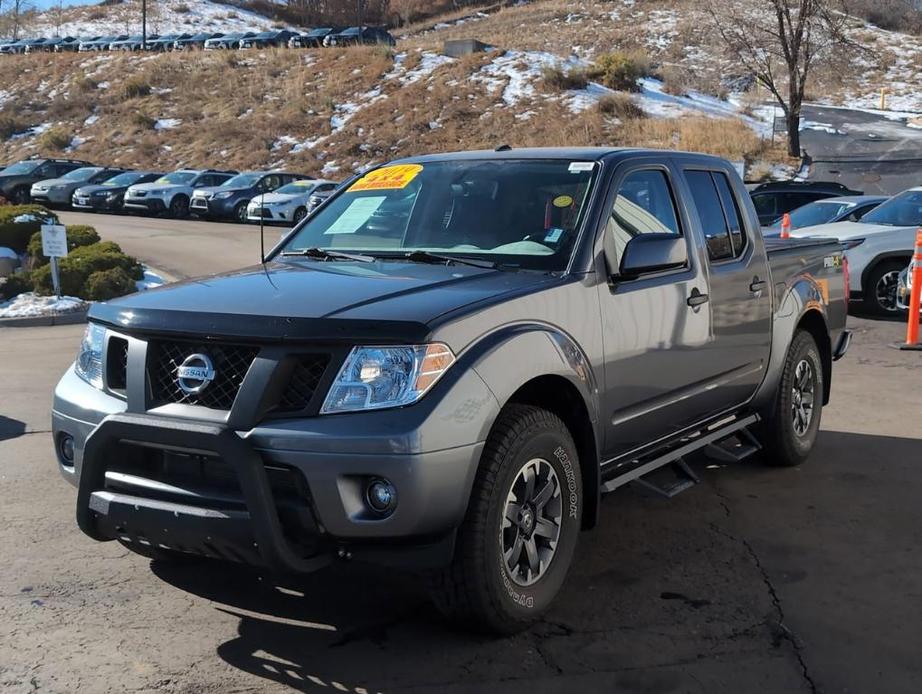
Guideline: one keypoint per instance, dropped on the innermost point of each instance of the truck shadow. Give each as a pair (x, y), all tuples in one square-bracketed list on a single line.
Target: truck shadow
[(661, 594)]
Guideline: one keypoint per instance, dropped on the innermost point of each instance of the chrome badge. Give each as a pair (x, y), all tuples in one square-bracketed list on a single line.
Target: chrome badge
[(195, 373)]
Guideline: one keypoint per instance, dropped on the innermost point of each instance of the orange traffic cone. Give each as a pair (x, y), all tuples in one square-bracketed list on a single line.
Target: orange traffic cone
[(915, 298), (786, 226)]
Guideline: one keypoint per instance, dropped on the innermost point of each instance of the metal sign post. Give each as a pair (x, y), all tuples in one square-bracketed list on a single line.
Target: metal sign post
[(54, 246)]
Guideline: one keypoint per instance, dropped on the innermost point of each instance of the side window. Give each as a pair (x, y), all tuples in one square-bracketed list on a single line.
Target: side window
[(270, 183), (791, 201), (858, 213), (325, 188), (711, 214), (732, 213), (644, 205)]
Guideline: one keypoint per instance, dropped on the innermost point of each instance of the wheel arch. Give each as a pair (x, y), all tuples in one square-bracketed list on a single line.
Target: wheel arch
[(554, 374), (813, 322), (903, 256)]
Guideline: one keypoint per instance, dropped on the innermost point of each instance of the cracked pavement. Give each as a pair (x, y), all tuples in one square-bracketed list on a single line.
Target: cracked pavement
[(757, 580)]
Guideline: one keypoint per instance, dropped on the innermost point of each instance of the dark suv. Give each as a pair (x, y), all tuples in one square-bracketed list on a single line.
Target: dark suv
[(17, 179), (229, 200), (357, 36), (772, 200)]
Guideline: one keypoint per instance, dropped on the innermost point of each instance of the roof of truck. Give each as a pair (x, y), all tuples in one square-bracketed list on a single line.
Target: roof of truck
[(578, 153)]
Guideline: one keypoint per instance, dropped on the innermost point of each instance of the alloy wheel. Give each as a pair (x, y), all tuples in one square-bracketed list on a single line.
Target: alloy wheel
[(802, 396), (530, 527), (885, 291)]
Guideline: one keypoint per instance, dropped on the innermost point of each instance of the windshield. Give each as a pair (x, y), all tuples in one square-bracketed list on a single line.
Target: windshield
[(177, 177), (124, 179), (22, 167), (522, 213), (81, 174), (296, 188), (244, 180), (904, 210), (815, 213)]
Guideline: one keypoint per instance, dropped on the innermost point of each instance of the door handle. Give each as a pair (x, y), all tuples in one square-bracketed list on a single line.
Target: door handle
[(757, 285), (696, 299)]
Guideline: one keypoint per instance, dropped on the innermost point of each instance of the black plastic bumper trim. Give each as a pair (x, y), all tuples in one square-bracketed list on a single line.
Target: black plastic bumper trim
[(274, 549)]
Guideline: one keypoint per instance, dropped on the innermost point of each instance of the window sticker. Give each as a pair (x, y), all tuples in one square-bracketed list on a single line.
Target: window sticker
[(387, 178), (553, 235), (563, 201), (580, 166), (354, 216)]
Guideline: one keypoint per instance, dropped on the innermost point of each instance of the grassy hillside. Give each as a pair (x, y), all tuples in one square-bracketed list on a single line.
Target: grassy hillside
[(335, 111)]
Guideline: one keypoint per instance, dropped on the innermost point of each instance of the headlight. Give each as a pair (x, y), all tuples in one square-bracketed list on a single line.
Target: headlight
[(376, 377), (89, 359), (223, 196)]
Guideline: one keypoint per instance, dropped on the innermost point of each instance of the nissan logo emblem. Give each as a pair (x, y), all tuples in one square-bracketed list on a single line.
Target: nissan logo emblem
[(195, 373)]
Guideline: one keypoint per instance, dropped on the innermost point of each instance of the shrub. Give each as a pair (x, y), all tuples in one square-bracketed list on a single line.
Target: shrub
[(135, 87), (620, 106), (108, 284), (84, 262), (17, 283), (620, 70), (559, 78), (86, 84), (10, 125), (182, 8), (55, 139), (16, 235), (143, 121), (77, 235)]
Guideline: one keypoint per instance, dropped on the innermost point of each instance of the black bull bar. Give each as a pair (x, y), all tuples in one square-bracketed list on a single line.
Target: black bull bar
[(256, 531)]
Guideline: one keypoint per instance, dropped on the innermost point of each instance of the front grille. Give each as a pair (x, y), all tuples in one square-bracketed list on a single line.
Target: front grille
[(262, 212), (305, 377), (231, 363), (199, 202), (117, 364)]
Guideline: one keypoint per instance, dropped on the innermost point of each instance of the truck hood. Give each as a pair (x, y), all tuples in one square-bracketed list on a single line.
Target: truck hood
[(309, 299), (846, 231)]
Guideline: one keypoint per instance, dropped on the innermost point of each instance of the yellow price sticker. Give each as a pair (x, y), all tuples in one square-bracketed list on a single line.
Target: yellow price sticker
[(387, 178), (563, 201)]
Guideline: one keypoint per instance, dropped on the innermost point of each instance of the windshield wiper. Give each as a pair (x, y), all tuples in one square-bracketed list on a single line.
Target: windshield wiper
[(323, 254), (427, 257)]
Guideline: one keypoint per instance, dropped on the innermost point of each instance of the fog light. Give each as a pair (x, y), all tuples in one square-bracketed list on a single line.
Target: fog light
[(381, 496), (66, 448)]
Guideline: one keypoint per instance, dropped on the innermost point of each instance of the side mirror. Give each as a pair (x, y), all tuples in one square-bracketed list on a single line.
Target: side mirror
[(647, 253)]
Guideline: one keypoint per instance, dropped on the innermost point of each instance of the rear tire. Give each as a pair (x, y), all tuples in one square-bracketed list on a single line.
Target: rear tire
[(880, 290), (789, 432), (517, 539)]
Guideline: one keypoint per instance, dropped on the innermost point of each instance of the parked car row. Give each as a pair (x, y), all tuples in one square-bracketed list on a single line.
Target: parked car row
[(280, 38), (272, 197)]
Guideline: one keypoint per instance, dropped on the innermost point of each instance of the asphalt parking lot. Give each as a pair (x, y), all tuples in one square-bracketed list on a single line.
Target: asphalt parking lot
[(757, 580)]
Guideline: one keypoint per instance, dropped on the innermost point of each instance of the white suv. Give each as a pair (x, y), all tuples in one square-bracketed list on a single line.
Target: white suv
[(288, 204), (171, 193), (878, 247)]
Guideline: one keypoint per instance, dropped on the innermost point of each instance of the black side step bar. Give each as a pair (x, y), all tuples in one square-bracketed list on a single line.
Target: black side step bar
[(676, 455)]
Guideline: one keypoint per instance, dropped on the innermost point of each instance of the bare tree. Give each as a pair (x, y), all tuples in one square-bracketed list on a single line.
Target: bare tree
[(15, 18), (781, 42)]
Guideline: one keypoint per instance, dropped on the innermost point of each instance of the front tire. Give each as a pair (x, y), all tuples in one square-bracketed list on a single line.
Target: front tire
[(240, 213), (520, 531), (179, 207), (790, 430), (20, 196), (299, 214)]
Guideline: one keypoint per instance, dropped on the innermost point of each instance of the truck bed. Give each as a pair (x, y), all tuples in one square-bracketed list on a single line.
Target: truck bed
[(775, 244)]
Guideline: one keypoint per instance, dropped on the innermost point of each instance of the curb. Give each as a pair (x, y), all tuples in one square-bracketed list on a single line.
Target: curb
[(71, 318)]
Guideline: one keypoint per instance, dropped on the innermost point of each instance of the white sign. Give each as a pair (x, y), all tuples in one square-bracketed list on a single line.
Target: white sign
[(54, 241)]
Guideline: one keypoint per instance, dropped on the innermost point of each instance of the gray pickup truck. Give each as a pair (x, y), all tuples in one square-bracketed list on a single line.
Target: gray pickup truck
[(445, 366)]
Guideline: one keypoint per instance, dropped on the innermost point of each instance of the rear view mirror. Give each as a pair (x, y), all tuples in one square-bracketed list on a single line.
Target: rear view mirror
[(647, 253)]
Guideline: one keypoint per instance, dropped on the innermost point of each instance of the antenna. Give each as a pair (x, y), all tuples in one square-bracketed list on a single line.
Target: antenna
[(262, 218)]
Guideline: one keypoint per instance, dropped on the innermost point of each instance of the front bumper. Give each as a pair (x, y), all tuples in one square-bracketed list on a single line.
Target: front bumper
[(271, 215), (145, 204), (212, 208), (92, 202), (50, 197), (288, 494)]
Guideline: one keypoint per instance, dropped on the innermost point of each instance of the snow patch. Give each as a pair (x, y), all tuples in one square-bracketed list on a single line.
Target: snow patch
[(30, 305), (166, 123)]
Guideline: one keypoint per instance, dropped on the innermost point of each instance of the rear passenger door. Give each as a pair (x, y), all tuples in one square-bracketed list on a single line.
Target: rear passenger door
[(739, 285)]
